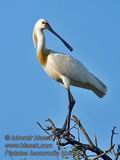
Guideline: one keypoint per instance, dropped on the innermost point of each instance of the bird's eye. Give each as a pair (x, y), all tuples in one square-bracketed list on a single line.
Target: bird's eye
[(43, 22)]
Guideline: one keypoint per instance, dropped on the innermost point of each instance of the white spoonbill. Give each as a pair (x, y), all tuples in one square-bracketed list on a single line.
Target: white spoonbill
[(63, 68)]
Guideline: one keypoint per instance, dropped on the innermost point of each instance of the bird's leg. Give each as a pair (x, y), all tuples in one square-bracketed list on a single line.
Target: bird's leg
[(70, 107), (65, 124), (71, 100)]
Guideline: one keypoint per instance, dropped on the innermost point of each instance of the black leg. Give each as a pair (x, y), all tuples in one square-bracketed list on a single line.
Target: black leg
[(71, 100), (70, 107)]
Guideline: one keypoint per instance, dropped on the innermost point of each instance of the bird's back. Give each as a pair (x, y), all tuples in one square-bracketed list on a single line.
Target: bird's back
[(76, 72)]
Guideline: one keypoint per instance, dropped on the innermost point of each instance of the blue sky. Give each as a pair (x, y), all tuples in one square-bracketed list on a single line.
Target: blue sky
[(28, 95)]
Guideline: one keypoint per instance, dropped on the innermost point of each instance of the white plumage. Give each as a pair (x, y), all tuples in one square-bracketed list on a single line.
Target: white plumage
[(75, 71), (64, 68)]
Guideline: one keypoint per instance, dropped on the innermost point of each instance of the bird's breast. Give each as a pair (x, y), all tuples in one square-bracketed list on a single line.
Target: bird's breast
[(49, 69), (52, 72), (42, 57)]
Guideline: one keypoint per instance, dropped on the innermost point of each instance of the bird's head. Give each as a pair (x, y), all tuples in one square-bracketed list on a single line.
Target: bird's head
[(39, 26), (42, 24)]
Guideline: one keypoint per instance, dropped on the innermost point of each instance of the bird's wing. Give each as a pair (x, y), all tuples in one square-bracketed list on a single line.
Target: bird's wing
[(69, 67), (74, 70)]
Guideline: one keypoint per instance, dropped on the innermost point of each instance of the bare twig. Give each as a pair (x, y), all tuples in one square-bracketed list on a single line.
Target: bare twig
[(83, 130), (78, 132), (91, 145), (105, 152), (51, 122), (43, 128), (95, 140), (111, 140), (117, 154)]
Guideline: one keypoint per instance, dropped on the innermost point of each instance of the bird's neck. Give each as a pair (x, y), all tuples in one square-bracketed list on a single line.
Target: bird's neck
[(41, 42), (42, 52)]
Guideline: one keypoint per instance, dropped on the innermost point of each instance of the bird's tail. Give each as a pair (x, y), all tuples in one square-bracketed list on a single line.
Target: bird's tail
[(98, 92), (99, 87)]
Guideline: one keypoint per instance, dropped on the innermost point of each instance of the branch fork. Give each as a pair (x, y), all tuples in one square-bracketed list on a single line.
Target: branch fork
[(64, 138)]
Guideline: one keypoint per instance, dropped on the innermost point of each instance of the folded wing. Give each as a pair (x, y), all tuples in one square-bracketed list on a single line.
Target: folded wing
[(77, 73)]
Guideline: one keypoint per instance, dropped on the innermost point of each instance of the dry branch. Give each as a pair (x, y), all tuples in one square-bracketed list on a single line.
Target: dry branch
[(64, 138)]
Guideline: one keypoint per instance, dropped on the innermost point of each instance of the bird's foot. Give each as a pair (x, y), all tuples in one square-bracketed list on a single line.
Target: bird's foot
[(59, 135)]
